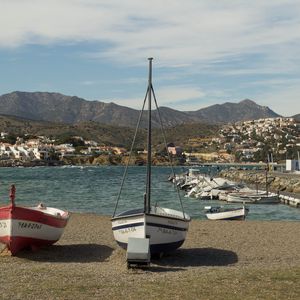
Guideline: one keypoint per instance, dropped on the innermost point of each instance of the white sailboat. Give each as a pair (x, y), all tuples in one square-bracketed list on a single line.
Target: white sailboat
[(165, 228)]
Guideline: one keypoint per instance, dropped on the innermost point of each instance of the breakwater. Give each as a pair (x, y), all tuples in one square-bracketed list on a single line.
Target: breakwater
[(275, 181), (287, 185)]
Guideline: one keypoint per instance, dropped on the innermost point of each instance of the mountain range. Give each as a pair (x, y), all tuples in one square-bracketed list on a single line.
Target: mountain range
[(59, 108)]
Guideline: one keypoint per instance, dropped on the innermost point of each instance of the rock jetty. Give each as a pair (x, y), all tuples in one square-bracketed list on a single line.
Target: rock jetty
[(277, 182)]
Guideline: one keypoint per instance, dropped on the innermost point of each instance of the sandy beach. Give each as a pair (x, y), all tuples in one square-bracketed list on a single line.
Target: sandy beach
[(219, 260)]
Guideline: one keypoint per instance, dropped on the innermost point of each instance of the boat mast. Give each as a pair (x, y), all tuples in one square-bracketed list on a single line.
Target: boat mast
[(148, 183)]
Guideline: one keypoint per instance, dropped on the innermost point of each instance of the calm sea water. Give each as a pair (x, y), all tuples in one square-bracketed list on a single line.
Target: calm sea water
[(95, 189)]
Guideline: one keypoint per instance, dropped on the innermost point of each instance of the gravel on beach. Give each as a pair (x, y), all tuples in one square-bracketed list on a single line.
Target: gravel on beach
[(219, 260)]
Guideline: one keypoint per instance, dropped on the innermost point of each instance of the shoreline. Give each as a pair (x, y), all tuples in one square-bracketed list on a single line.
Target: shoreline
[(243, 259), (115, 160), (278, 182)]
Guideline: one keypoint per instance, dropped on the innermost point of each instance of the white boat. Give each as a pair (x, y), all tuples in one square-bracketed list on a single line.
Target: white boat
[(254, 197), (259, 197), (165, 228), (30, 227), (226, 213)]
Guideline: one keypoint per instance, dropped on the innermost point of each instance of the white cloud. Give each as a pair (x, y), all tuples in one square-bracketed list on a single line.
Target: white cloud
[(176, 32), (223, 38), (175, 96)]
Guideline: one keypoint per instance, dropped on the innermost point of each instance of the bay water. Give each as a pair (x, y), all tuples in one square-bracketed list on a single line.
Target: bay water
[(95, 190)]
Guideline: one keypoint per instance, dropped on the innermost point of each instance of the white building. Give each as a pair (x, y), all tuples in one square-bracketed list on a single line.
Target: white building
[(292, 165)]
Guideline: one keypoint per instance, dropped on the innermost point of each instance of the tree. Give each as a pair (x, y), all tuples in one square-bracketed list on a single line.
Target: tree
[(11, 139)]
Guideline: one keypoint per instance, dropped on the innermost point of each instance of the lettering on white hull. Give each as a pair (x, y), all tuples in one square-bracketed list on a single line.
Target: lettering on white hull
[(29, 225), (127, 230), (3, 225), (167, 231), (172, 222)]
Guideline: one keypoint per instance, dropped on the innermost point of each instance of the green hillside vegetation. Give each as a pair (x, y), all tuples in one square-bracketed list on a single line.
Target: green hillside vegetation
[(103, 134), (180, 134), (296, 117)]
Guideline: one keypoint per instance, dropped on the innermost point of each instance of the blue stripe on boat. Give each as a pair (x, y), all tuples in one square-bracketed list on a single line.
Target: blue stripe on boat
[(166, 226), (150, 224), (128, 225)]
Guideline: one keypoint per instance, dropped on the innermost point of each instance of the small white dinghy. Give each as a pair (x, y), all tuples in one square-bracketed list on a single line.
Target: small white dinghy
[(225, 213)]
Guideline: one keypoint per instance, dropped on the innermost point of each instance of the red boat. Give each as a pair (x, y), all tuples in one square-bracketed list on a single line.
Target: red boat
[(30, 227)]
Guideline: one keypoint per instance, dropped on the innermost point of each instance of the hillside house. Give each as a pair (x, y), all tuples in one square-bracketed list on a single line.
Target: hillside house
[(41, 153), (177, 151), (4, 135)]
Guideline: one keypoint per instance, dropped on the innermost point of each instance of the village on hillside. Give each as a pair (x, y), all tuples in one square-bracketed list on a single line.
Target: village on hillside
[(272, 139)]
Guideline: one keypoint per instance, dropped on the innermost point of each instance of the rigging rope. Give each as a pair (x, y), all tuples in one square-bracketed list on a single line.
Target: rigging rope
[(130, 153), (165, 142)]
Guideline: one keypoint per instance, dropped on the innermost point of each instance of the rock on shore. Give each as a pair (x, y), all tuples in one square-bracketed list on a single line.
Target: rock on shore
[(276, 181)]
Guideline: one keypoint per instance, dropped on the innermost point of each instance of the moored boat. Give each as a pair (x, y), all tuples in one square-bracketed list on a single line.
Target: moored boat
[(30, 227), (253, 198), (226, 213)]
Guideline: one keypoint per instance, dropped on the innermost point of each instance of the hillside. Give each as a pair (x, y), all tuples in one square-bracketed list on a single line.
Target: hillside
[(55, 107), (296, 117), (233, 112), (103, 133)]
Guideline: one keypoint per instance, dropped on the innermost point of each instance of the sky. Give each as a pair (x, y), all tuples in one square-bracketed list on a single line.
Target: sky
[(205, 52)]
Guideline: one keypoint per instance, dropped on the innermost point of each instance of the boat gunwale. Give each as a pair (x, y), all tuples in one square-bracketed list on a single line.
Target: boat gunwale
[(65, 216), (226, 210), (62, 216), (151, 214)]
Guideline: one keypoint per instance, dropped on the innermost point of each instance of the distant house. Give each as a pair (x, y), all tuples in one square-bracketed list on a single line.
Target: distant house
[(5, 151), (119, 150), (292, 165), (91, 143), (33, 143), (175, 150), (65, 149), (4, 135), (41, 153)]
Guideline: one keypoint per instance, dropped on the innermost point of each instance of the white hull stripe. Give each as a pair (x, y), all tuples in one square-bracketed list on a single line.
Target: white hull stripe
[(150, 224)]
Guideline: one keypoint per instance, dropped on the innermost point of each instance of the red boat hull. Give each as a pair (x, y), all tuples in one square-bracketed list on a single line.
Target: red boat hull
[(23, 227)]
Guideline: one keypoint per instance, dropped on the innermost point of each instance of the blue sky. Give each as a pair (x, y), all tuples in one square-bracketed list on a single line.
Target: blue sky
[(205, 52)]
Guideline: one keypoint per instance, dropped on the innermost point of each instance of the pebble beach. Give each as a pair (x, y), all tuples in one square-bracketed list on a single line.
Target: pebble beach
[(219, 260)]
